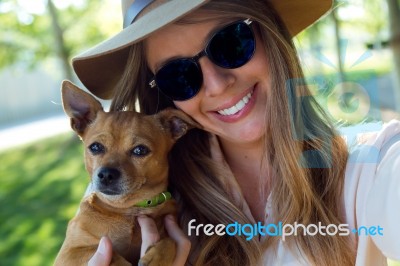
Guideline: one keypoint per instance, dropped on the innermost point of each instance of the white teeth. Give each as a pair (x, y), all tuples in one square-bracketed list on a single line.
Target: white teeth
[(237, 107)]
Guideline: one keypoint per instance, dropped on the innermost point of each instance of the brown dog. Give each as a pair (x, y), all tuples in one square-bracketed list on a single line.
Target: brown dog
[(126, 157)]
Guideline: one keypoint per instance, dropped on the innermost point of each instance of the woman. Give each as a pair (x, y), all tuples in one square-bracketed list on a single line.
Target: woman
[(268, 152)]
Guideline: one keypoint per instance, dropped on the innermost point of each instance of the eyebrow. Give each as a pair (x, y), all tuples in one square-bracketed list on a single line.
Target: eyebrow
[(221, 24)]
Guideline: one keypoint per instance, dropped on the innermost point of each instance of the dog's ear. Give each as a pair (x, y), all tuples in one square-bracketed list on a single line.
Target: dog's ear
[(176, 122), (80, 106)]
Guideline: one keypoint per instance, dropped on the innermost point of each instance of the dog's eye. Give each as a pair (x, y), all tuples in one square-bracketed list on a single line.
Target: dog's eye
[(140, 150), (96, 148)]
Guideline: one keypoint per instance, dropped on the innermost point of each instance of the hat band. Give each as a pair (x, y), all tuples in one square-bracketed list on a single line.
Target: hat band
[(134, 10)]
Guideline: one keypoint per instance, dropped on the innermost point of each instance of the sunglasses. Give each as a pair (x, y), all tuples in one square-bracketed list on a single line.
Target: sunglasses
[(230, 47)]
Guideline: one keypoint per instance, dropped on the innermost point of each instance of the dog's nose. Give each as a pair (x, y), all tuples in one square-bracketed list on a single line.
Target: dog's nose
[(108, 176)]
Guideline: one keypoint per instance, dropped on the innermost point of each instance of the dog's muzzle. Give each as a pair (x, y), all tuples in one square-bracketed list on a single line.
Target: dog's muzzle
[(107, 180)]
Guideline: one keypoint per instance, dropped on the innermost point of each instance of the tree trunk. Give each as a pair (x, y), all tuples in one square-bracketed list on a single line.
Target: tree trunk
[(314, 38), (61, 48), (394, 17), (340, 48)]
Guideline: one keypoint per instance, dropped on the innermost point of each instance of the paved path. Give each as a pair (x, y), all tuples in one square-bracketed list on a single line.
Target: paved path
[(32, 131)]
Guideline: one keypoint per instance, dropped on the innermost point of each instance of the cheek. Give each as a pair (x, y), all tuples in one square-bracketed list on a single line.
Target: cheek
[(260, 65), (191, 107), (259, 62)]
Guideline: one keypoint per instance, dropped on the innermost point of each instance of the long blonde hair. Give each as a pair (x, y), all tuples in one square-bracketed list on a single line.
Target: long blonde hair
[(307, 156)]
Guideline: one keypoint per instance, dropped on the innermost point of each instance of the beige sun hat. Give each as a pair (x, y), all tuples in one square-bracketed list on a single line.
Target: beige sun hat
[(100, 68)]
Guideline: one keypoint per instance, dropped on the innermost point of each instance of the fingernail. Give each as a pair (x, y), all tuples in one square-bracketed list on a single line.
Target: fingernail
[(102, 246)]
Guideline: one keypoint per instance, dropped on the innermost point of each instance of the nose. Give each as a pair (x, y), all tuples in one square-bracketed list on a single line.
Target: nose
[(215, 79), (108, 176)]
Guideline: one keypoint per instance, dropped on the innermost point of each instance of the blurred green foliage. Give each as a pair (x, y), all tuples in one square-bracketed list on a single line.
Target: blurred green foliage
[(41, 186), (27, 37)]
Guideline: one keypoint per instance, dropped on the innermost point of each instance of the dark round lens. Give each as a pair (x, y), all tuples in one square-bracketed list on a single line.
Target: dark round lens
[(180, 79), (233, 46)]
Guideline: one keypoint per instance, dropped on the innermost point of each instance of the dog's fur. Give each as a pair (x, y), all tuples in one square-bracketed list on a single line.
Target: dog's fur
[(126, 157)]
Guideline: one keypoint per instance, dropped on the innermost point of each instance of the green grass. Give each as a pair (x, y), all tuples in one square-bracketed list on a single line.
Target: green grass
[(40, 189), (41, 186)]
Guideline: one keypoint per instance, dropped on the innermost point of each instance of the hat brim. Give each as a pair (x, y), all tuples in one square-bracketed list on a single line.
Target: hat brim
[(101, 67)]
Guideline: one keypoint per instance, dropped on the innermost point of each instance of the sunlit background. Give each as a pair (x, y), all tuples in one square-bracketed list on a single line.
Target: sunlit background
[(351, 59)]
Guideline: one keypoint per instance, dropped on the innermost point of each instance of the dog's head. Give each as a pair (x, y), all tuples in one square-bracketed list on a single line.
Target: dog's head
[(125, 152)]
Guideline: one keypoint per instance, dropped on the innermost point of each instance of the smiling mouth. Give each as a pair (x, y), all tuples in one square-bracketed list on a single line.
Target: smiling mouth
[(238, 106)]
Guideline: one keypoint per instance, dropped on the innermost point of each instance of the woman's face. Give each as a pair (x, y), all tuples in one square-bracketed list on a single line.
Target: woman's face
[(222, 89)]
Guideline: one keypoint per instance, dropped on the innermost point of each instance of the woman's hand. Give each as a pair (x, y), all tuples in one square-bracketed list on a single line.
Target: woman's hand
[(103, 254), (150, 236)]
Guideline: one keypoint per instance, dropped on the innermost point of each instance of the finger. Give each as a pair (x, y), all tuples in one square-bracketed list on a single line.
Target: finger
[(150, 234), (103, 254), (182, 242)]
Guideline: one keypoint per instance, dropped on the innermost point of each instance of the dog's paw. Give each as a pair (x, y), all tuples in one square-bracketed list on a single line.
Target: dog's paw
[(161, 254), (144, 262), (151, 258)]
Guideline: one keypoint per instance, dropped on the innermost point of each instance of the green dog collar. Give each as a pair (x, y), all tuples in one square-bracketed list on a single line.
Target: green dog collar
[(156, 200)]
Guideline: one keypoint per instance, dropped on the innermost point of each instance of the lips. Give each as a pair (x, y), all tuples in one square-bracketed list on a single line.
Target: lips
[(238, 106)]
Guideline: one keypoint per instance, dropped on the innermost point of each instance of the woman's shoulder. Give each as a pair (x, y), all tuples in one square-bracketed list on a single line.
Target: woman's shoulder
[(372, 185), (373, 149), (369, 142), (376, 134)]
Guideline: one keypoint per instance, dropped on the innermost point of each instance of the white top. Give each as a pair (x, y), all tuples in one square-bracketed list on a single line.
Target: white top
[(371, 197)]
